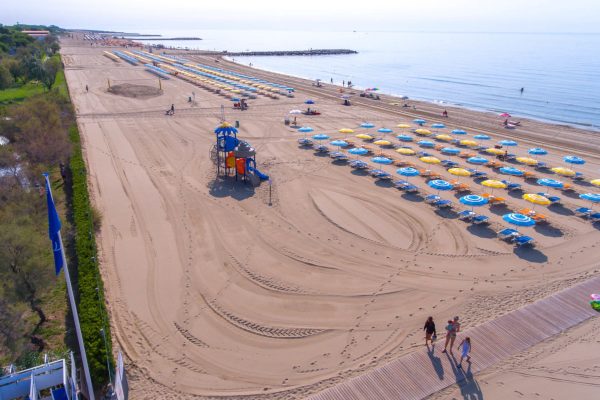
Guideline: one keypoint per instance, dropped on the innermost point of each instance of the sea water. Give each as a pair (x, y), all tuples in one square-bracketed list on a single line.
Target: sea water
[(559, 73)]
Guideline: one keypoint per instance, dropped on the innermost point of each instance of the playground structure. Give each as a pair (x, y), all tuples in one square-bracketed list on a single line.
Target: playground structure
[(232, 154)]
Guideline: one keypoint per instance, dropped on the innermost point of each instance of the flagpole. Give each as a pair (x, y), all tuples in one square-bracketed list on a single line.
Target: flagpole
[(86, 369)]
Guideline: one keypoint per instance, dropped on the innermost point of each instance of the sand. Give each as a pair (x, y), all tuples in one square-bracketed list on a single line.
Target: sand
[(214, 293)]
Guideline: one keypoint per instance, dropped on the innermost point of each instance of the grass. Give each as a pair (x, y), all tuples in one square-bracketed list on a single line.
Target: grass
[(17, 94), (60, 84)]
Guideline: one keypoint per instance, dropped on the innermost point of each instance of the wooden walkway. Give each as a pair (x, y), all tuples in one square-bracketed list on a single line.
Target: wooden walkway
[(420, 374)]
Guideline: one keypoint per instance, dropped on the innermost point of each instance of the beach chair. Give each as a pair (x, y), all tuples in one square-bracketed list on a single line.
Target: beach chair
[(369, 149), (460, 186), (466, 215), (478, 174), (537, 217), (410, 188), (442, 203), (567, 187), (541, 166), (495, 164), (305, 142), (595, 217), (508, 234), (322, 149), (480, 220), (510, 186), (350, 143), (449, 163), (466, 154), (583, 212), (438, 147), (553, 199), (430, 199), (378, 173), (359, 164), (404, 163), (401, 184), (338, 156), (423, 154), (523, 241), (530, 175), (578, 176)]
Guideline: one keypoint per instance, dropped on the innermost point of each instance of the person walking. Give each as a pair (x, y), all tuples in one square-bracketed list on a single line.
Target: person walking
[(466, 350), (430, 333), (456, 326), (172, 109), (87, 89), (449, 332)]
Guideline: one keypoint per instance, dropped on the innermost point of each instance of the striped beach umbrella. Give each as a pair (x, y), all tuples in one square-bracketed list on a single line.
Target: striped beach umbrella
[(459, 132), (440, 184), (518, 219), (481, 137), (553, 183), (537, 151), (477, 160), (408, 171), (574, 160)]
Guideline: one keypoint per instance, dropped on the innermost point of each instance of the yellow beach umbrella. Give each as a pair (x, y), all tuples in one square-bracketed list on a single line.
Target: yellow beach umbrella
[(527, 160), (444, 137), (430, 160), (492, 150), (405, 151), (403, 126), (536, 199), (346, 130), (563, 171), (421, 131), (364, 136), (494, 184), (382, 142), (459, 172), (595, 182), (467, 142)]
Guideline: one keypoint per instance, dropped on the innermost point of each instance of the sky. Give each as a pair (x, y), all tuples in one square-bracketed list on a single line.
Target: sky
[(152, 16)]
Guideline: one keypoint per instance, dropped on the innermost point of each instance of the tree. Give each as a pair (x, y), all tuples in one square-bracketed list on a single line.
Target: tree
[(6, 79), (49, 69)]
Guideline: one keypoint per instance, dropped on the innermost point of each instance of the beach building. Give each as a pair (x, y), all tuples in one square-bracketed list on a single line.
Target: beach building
[(50, 380), (37, 34)]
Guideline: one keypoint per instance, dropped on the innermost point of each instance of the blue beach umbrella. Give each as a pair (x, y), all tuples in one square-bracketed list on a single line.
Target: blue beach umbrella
[(381, 160), (358, 151), (450, 150), (459, 132), (593, 197), (367, 125), (339, 143), (309, 101), (518, 219), (553, 183), (305, 129), (235, 99), (481, 137), (384, 130), (420, 122), (405, 138), (538, 151), (438, 126), (511, 171), (408, 171), (574, 160), (508, 143), (440, 184), (426, 143), (225, 128), (473, 200), (320, 136), (477, 160)]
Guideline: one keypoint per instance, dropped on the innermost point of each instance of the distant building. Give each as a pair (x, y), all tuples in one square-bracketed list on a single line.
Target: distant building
[(37, 34)]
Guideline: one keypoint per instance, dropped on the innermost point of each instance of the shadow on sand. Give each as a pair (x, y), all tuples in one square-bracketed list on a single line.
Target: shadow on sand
[(469, 387), (548, 230), (229, 187), (560, 209), (530, 254), (482, 231)]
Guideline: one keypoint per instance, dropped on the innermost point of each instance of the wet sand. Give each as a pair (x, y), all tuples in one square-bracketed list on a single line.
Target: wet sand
[(214, 293)]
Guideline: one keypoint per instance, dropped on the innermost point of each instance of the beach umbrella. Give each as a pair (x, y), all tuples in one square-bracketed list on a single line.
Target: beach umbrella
[(295, 112), (505, 115), (420, 122), (511, 171), (440, 184), (358, 151), (384, 130), (477, 160), (367, 125), (508, 143), (430, 160), (382, 160), (481, 137), (494, 184), (320, 136), (382, 142), (339, 143), (408, 171), (553, 183), (595, 182), (403, 126), (364, 136), (527, 160), (426, 143), (424, 132), (235, 99), (473, 200), (438, 126), (346, 130), (459, 132), (405, 151), (459, 172), (494, 151), (537, 151), (467, 142), (574, 160), (305, 129), (563, 171), (225, 128), (518, 219), (536, 199), (405, 138), (450, 150), (309, 101), (444, 137), (593, 197)]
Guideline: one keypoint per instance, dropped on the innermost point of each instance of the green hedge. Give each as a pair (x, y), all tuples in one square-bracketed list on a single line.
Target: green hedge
[(91, 305)]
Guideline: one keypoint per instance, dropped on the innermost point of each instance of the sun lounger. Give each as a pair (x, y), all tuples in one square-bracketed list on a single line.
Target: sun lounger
[(378, 173), (480, 220), (359, 164), (567, 187), (460, 187), (424, 154), (583, 212), (305, 142), (508, 234), (537, 217), (530, 175), (553, 199), (495, 164), (449, 163), (541, 166), (404, 163), (442, 204), (478, 174), (466, 215), (432, 198), (522, 241), (338, 156), (595, 217), (463, 154), (322, 149), (439, 146), (578, 176), (512, 185)]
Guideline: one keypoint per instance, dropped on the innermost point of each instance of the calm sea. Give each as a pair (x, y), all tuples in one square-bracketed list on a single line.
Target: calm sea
[(560, 73)]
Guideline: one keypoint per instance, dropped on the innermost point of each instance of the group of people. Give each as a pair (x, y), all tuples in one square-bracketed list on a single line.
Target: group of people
[(452, 328)]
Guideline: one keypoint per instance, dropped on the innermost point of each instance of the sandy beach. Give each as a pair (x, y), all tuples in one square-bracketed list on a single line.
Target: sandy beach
[(215, 293)]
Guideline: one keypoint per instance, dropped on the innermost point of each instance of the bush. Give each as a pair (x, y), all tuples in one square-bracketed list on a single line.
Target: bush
[(6, 78)]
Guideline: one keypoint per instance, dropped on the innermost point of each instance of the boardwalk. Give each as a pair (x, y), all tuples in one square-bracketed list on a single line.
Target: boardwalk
[(420, 374)]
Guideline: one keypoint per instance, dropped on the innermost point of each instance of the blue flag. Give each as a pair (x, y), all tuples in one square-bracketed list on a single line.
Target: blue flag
[(53, 228)]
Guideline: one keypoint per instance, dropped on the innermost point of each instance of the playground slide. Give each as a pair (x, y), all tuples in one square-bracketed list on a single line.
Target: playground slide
[(258, 173)]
